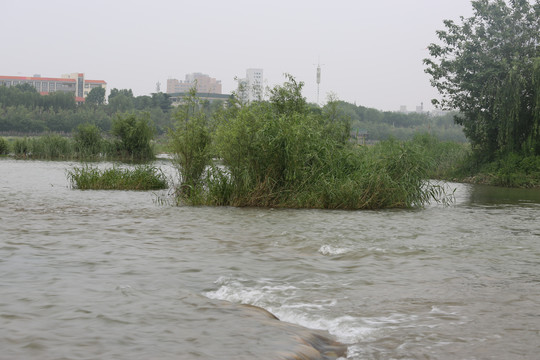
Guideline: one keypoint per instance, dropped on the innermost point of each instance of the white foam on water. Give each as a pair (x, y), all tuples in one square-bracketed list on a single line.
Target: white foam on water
[(347, 329), (280, 301), (234, 291), (332, 250)]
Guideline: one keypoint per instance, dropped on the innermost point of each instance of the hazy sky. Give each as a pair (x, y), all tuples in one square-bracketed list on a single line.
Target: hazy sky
[(370, 51)]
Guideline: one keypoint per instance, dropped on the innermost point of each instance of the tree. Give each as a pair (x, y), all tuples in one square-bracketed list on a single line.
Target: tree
[(143, 102), (115, 92), (162, 100), (485, 68), (134, 134), (26, 87), (120, 103), (288, 98), (96, 96)]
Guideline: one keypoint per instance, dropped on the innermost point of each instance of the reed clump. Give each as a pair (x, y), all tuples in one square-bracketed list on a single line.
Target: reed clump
[(142, 177), (280, 153), (4, 146)]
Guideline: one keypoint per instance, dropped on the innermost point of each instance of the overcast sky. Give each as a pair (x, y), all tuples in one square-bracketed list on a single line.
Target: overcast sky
[(370, 51)]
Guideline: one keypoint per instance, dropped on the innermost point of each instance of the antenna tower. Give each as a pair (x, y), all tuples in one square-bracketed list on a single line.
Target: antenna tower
[(318, 78), (158, 87)]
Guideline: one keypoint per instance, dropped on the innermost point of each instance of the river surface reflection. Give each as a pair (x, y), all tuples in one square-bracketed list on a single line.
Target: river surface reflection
[(116, 275)]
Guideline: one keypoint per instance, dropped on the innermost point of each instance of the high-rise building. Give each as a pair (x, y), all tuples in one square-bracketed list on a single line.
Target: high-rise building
[(251, 87), (203, 83), (73, 83)]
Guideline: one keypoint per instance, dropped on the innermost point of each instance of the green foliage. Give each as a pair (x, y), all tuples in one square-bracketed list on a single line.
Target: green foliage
[(88, 140), (120, 103), (189, 143), (338, 123), (96, 96), (162, 101), (375, 125), (487, 67), (455, 162), (288, 99), (48, 147), (4, 146), (139, 178), (26, 95), (281, 154), (134, 134), (510, 170), (128, 93), (21, 147), (447, 158)]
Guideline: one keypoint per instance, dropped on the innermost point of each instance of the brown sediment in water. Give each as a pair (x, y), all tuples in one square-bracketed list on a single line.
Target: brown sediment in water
[(304, 343)]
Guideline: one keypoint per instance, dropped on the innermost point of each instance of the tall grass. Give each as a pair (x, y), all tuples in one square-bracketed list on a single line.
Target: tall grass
[(140, 178), (388, 175), (48, 147), (448, 158), (4, 146)]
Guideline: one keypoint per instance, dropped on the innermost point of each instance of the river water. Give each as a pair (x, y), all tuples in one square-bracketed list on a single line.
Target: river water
[(118, 275)]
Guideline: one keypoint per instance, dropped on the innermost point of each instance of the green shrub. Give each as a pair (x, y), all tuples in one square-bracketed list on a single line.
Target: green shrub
[(134, 134), (88, 140), (514, 170)]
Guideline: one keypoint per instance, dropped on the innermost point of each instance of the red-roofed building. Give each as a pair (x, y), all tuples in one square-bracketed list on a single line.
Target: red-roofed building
[(74, 83)]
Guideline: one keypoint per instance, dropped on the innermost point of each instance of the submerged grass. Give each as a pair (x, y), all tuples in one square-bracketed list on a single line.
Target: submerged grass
[(142, 177)]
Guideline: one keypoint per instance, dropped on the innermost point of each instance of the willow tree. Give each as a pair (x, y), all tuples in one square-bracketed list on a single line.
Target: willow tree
[(488, 68)]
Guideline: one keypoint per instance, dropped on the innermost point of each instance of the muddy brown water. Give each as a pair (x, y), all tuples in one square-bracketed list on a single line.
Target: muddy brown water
[(117, 275)]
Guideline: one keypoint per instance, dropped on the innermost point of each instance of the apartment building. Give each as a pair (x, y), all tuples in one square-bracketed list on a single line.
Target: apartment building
[(72, 83), (251, 88), (203, 83)]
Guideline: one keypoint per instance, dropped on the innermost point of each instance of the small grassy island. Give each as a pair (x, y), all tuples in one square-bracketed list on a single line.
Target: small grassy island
[(284, 153), (142, 177)]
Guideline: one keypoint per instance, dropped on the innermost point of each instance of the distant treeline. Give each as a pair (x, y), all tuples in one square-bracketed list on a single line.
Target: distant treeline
[(382, 125), (24, 111)]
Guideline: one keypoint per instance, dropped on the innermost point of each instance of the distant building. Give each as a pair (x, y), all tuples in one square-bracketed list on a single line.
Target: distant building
[(202, 82), (251, 87), (83, 85), (71, 83)]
